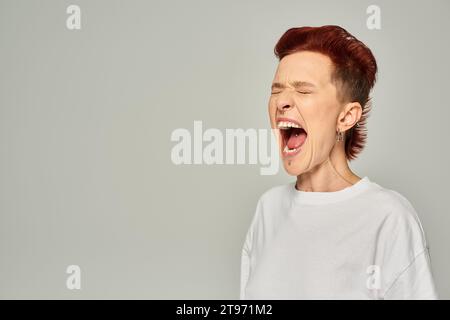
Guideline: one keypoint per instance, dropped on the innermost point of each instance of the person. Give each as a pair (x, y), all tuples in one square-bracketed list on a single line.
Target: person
[(330, 234)]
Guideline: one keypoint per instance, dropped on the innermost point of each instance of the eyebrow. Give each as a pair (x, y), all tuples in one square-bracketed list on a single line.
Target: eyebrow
[(295, 84)]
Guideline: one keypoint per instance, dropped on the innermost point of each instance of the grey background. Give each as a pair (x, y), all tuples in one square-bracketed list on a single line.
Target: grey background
[(86, 116)]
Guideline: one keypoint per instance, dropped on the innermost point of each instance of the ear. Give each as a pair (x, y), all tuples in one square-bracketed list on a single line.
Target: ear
[(350, 115)]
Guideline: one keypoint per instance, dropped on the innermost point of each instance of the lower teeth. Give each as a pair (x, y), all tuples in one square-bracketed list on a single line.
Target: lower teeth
[(286, 149)]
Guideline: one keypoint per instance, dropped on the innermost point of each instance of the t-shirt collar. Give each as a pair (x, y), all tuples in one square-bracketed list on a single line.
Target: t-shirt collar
[(317, 198)]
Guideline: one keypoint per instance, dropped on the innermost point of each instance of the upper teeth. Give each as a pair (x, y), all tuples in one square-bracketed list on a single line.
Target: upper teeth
[(287, 124)]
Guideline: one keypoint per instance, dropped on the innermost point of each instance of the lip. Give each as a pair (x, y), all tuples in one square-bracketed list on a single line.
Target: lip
[(291, 154), (289, 120)]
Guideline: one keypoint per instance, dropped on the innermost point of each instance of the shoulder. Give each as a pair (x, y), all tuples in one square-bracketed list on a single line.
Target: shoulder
[(394, 203), (404, 248), (398, 202), (276, 193), (273, 201), (266, 208), (401, 218)]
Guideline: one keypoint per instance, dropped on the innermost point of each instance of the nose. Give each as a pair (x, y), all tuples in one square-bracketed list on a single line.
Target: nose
[(284, 106), (284, 101)]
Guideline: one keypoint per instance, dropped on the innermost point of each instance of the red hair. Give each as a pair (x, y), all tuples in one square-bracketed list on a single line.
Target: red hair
[(354, 71)]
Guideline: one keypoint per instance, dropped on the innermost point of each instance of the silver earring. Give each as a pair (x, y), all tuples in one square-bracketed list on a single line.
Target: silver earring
[(357, 124), (339, 136)]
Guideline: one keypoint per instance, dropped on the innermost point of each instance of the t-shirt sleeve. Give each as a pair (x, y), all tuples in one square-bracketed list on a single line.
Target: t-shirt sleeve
[(415, 282), (406, 262), (245, 268), (247, 253)]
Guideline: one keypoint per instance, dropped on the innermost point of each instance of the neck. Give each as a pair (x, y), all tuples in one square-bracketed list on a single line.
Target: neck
[(331, 175)]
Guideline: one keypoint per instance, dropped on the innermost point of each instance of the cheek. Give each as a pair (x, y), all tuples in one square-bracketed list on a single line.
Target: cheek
[(321, 132), (320, 124), (319, 115), (323, 139), (321, 142)]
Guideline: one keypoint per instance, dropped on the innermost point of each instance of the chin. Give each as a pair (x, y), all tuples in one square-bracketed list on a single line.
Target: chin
[(292, 169)]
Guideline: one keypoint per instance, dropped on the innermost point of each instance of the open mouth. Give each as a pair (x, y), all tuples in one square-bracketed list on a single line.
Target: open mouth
[(293, 136)]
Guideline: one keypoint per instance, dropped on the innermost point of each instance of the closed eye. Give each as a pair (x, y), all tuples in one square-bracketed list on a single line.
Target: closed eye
[(302, 92)]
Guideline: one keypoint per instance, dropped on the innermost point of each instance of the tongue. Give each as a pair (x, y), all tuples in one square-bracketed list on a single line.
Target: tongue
[(297, 138)]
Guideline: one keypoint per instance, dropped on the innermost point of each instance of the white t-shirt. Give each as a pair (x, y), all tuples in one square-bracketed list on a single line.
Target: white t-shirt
[(361, 242)]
